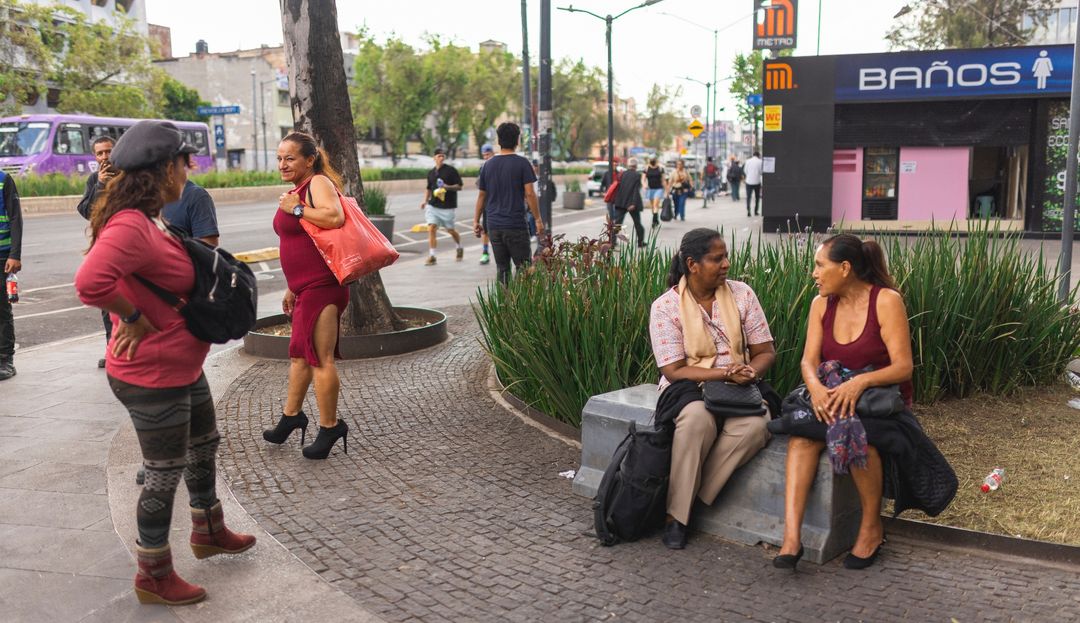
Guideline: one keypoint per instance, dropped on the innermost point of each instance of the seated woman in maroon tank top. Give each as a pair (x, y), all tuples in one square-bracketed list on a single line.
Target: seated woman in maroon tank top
[(859, 320), (314, 298)]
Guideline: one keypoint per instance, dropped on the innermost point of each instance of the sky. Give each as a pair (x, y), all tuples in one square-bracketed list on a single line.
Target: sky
[(651, 45)]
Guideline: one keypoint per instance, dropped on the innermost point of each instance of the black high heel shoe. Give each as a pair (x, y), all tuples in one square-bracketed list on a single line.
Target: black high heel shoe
[(854, 562), (788, 561), (324, 441), (285, 426)]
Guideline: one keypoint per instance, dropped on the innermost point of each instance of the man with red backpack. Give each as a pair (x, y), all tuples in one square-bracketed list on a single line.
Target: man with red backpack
[(711, 173)]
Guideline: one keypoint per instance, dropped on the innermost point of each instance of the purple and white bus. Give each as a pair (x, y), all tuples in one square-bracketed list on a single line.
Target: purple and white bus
[(55, 143)]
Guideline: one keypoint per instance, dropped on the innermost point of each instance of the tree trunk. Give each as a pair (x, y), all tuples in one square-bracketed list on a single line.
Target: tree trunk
[(320, 103)]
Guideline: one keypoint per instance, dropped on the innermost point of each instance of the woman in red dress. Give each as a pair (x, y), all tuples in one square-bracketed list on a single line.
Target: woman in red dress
[(314, 299), (859, 320)]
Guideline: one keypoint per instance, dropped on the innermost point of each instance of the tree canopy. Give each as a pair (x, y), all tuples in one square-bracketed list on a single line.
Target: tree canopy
[(935, 24), (662, 122), (96, 68)]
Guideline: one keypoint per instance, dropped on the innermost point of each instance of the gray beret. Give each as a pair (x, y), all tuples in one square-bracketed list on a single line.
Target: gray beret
[(147, 143)]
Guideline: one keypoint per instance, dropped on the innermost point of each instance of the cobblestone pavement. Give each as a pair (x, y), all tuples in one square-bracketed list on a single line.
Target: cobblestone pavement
[(448, 508)]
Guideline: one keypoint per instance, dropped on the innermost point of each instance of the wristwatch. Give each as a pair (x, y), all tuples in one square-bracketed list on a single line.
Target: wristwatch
[(298, 210), (133, 318)]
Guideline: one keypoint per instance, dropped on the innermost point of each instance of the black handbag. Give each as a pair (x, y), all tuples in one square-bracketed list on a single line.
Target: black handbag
[(732, 400), (666, 213)]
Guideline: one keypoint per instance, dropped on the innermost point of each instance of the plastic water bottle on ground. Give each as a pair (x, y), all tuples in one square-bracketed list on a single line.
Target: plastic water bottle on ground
[(993, 480)]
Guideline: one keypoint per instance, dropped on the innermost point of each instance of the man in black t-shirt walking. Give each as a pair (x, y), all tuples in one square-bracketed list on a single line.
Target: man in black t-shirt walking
[(506, 188), (440, 204)]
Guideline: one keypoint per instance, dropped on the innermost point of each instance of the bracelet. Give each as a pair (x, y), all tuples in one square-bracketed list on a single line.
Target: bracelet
[(133, 318)]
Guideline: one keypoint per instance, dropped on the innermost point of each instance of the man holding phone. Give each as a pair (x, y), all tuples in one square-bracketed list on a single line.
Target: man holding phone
[(102, 148)]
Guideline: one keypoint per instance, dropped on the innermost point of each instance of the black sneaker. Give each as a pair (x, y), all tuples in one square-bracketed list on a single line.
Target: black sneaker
[(7, 369), (101, 363), (675, 535)]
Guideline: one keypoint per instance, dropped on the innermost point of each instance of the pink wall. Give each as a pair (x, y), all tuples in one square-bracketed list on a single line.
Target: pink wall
[(847, 185), (938, 189)]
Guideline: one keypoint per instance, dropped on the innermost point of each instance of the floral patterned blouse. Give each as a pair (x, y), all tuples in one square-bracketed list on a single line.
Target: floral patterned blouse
[(665, 328)]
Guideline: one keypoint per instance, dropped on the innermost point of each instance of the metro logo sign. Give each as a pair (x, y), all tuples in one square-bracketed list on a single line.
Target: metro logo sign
[(774, 27), (778, 77)]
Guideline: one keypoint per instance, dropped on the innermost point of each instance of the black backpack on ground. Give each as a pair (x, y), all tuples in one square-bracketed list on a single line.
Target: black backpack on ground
[(222, 305), (632, 498)]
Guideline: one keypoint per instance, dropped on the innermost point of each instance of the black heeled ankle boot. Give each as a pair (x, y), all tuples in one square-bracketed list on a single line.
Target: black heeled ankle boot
[(788, 561), (324, 441), (285, 426)]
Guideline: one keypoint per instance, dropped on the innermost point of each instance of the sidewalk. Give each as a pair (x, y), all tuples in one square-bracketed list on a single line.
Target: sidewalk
[(447, 507)]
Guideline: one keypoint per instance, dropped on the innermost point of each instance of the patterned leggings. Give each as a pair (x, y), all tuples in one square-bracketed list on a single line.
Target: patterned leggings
[(178, 434)]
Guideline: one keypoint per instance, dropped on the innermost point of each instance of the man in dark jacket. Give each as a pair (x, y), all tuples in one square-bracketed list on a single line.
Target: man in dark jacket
[(95, 184), (11, 260), (628, 200), (102, 148)]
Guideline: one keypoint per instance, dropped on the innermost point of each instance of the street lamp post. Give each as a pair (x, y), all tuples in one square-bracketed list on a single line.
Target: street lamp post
[(610, 104), (254, 123), (262, 112)]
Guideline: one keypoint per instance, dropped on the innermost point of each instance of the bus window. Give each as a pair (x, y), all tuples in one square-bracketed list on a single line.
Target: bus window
[(197, 139), (70, 140), (111, 131), (23, 139)]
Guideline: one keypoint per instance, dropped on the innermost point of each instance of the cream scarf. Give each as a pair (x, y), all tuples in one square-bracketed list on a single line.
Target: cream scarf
[(697, 341)]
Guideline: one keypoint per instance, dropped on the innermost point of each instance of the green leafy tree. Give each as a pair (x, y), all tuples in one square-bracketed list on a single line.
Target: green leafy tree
[(180, 102), (393, 91), (579, 102), (98, 68), (449, 67), (494, 80), (661, 121), (935, 24), (23, 52)]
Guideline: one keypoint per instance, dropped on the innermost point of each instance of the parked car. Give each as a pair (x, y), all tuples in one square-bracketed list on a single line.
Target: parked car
[(594, 185)]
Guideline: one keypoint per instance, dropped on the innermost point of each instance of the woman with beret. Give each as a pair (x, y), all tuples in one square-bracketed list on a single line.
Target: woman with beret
[(153, 363)]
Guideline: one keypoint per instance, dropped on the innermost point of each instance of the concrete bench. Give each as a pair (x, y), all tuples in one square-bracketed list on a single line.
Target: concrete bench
[(750, 509)]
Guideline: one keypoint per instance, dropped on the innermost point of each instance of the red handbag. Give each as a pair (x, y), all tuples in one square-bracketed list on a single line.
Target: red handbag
[(356, 248), (609, 196)]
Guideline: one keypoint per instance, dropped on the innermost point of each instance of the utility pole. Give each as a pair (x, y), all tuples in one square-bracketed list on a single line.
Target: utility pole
[(262, 111), (1069, 208), (526, 96), (545, 119), (254, 124)]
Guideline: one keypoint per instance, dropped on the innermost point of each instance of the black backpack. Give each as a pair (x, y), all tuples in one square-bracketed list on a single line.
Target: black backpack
[(222, 305), (632, 498)]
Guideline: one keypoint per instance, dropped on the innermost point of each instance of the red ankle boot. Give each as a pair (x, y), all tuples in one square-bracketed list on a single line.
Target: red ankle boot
[(210, 537), (157, 583)]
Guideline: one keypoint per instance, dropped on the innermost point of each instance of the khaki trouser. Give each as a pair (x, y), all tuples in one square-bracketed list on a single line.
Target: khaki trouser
[(702, 461)]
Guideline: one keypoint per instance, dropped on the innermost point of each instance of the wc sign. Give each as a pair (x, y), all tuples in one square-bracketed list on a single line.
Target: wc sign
[(774, 118)]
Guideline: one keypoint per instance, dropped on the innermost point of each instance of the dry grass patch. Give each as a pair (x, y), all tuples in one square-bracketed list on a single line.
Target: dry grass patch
[(1035, 436)]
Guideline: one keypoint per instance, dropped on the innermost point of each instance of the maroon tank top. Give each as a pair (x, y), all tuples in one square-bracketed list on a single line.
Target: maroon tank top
[(301, 262), (867, 350)]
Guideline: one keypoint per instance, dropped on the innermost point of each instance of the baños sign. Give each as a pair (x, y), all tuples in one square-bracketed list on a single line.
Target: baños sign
[(1035, 70)]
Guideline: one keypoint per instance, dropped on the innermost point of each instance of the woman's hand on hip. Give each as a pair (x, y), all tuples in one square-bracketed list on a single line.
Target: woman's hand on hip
[(288, 303), (288, 201), (127, 337)]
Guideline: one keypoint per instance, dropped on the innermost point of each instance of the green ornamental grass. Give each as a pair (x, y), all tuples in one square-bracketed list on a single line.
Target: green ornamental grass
[(983, 315)]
